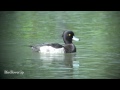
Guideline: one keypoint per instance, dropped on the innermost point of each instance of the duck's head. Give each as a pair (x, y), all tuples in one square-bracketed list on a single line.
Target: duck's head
[(68, 36)]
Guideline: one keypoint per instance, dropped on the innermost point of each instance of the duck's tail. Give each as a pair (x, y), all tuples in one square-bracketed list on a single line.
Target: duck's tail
[(30, 46)]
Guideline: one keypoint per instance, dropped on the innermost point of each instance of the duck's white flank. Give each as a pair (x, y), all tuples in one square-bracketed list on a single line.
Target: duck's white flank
[(50, 49)]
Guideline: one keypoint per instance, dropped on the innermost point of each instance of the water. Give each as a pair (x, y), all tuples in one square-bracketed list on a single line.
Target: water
[(98, 51)]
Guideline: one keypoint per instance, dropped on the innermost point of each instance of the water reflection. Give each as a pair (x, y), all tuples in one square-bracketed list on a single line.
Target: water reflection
[(58, 66), (65, 59)]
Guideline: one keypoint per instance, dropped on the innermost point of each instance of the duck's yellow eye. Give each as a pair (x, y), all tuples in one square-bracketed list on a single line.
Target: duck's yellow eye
[(69, 34)]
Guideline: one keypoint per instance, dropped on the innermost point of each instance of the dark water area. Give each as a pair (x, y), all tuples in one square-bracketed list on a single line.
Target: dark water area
[(98, 51)]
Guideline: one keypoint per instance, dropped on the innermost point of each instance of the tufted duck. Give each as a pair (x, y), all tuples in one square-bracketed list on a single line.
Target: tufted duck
[(69, 47)]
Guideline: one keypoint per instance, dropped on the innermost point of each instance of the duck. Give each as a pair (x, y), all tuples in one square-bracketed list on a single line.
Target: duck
[(68, 36)]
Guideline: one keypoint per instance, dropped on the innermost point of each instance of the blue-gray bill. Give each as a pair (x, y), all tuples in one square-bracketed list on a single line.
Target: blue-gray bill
[(75, 38)]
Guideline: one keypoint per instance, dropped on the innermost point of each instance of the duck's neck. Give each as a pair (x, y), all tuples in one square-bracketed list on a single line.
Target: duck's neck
[(67, 41)]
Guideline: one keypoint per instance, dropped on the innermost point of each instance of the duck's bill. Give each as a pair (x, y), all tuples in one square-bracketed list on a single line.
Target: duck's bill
[(75, 39)]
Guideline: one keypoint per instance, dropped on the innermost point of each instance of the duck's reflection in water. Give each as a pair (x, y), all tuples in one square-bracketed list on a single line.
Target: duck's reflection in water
[(58, 59), (59, 65)]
